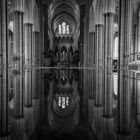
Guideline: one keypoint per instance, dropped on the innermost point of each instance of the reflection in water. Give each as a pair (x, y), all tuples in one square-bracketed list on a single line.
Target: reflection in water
[(115, 78), (63, 108), (69, 104)]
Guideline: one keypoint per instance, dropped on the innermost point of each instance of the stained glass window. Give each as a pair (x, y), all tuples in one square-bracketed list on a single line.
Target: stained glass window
[(63, 28), (68, 29), (60, 29)]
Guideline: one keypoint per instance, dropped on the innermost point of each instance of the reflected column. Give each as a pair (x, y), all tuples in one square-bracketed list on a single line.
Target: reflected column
[(35, 63), (108, 129), (138, 98), (108, 41), (18, 64), (124, 94), (124, 104), (3, 70), (28, 64)]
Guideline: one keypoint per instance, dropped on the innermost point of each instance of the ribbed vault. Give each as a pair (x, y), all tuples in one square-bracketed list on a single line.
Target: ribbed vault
[(64, 11)]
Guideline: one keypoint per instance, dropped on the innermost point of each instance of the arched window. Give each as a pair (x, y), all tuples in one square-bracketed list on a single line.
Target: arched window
[(68, 29), (115, 78), (115, 54), (60, 29), (11, 37), (63, 102), (63, 28)]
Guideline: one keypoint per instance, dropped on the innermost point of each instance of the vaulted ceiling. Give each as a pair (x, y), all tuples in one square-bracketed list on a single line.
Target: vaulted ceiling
[(63, 10)]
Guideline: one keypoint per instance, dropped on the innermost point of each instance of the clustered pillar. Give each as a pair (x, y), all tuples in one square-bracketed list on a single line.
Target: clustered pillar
[(138, 97), (35, 73), (124, 95)]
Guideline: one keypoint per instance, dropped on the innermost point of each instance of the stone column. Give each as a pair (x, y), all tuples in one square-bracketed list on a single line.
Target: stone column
[(86, 35), (3, 70), (99, 65), (138, 45), (36, 40), (108, 42), (85, 59), (82, 15), (41, 37), (28, 64), (91, 49), (18, 64), (136, 42), (125, 36), (18, 39), (125, 32), (94, 51)]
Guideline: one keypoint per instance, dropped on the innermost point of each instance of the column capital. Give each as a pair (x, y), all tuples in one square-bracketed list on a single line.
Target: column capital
[(28, 106), (28, 24), (108, 116), (99, 25), (18, 12), (98, 105), (36, 32), (109, 14), (17, 117)]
